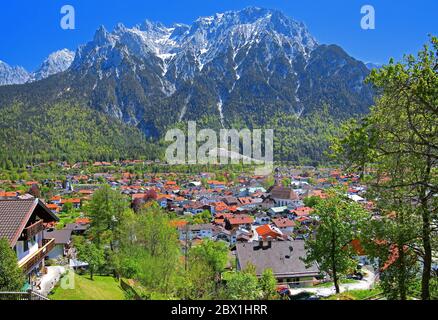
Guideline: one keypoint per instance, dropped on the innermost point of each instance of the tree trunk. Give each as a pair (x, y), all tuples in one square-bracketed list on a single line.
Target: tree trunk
[(334, 269), (402, 275), (91, 273), (427, 263), (336, 280)]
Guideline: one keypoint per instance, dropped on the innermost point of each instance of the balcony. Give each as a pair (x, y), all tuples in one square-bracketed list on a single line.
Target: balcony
[(32, 230), (38, 256)]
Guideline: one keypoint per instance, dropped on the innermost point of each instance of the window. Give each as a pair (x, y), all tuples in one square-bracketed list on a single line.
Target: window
[(25, 246)]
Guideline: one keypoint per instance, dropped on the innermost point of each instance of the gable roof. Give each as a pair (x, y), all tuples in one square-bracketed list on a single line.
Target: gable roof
[(280, 192), (60, 236), (266, 231), (15, 214), (241, 219), (283, 257), (283, 223)]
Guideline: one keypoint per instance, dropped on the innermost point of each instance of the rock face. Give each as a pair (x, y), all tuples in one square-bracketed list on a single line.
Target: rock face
[(57, 62), (12, 75), (238, 67)]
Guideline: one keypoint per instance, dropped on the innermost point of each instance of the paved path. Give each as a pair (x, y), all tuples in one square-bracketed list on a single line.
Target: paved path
[(50, 279), (365, 284)]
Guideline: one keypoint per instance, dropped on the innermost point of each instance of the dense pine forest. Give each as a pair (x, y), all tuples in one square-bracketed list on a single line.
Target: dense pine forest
[(66, 132)]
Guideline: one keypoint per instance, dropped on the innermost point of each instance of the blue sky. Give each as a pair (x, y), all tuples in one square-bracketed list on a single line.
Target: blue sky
[(30, 30)]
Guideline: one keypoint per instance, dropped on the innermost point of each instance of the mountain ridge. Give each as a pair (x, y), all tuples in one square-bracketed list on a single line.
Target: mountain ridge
[(56, 62), (235, 69)]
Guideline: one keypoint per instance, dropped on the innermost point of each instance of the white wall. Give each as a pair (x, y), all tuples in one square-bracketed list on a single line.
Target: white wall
[(33, 247)]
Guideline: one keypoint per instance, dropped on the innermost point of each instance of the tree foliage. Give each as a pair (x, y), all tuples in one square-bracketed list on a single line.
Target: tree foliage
[(149, 250), (398, 142), (90, 253), (66, 132), (11, 276), (339, 223)]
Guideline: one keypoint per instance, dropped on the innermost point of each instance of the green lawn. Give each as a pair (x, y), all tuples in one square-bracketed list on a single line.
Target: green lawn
[(356, 295), (101, 288), (66, 218), (332, 284)]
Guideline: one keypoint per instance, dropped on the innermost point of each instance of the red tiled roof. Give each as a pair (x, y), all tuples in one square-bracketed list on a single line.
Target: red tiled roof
[(138, 196), (53, 206), (283, 223), (178, 223), (318, 193), (83, 221), (215, 182), (266, 231), (8, 194), (76, 200), (241, 219), (280, 192), (302, 219), (303, 211), (220, 206)]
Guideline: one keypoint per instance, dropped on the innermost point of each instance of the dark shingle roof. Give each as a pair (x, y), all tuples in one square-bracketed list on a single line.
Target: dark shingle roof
[(60, 236), (77, 227), (283, 258), (15, 214)]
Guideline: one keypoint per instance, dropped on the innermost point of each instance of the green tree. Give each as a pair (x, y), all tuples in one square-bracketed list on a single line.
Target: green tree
[(242, 285), (339, 222), (149, 250), (311, 202), (204, 217), (268, 285), (399, 142), (90, 253), (215, 255), (67, 207), (11, 276), (107, 209), (197, 281)]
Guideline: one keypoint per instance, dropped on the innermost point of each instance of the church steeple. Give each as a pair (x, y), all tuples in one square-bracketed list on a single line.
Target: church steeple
[(277, 177)]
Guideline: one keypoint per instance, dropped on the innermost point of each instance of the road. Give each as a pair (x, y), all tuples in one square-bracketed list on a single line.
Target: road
[(366, 284)]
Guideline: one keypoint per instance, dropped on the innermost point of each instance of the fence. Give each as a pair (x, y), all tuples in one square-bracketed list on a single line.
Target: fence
[(18, 296)]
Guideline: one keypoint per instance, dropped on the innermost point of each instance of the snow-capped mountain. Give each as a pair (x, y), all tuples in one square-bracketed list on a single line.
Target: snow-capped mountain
[(237, 67), (372, 65), (185, 50), (12, 75), (57, 62)]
